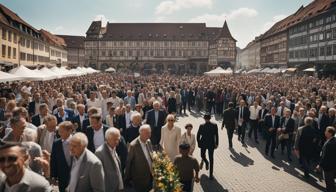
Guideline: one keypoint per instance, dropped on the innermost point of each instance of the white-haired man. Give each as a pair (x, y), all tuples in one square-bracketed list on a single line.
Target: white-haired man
[(87, 172), (139, 161), (111, 163), (156, 119)]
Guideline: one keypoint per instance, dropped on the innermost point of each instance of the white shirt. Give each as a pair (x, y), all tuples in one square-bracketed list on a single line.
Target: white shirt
[(74, 172), (170, 140), (146, 152), (117, 161), (115, 101), (15, 187), (104, 106), (128, 118), (48, 141), (96, 103), (81, 119), (254, 112), (65, 144), (98, 138)]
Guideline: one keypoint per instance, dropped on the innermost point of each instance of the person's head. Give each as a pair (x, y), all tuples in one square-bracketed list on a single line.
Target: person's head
[(241, 103), (230, 105), (207, 117), (273, 110), (20, 111), (170, 119), (136, 118), (332, 112), (59, 102), (329, 132), (104, 93), (37, 97), (145, 132), (138, 107), (92, 110), (78, 143), (184, 149), (81, 109), (129, 93), (2, 102), (18, 124), (50, 122), (302, 111), (255, 104), (92, 95), (128, 108), (96, 121), (65, 129), (112, 137), (11, 104), (43, 109), (156, 105), (111, 111), (308, 121), (323, 109), (188, 127), (12, 160), (288, 113)]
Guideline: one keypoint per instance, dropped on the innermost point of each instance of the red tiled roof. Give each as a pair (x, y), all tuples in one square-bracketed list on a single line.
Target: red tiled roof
[(52, 39), (8, 13), (73, 41)]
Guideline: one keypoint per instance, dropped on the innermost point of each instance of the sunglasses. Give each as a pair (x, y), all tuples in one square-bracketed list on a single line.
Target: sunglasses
[(171, 120), (8, 159)]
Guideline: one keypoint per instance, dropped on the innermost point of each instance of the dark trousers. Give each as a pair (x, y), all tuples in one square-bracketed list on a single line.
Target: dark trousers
[(253, 127), (210, 105), (187, 186), (288, 144), (183, 106), (241, 132), (204, 159), (306, 161), (329, 177), (270, 140), (229, 131)]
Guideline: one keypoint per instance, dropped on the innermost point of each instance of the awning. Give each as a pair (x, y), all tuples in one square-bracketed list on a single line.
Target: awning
[(309, 70), (293, 69)]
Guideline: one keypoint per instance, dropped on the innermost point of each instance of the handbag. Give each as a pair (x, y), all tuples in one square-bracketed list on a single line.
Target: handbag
[(283, 136)]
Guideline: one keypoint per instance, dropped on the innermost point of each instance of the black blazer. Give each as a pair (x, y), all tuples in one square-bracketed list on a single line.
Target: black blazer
[(59, 167), (86, 124), (229, 119), (122, 151), (31, 108), (76, 119), (156, 131), (261, 115), (207, 136), (268, 123), (289, 127), (60, 120), (36, 120), (324, 123), (90, 133), (121, 123), (328, 157), (246, 113)]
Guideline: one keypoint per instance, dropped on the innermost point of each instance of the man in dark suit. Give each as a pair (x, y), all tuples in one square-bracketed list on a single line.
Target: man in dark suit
[(286, 130), (111, 163), (184, 99), (86, 122), (60, 160), (323, 122), (34, 105), (229, 122), (78, 120), (261, 120), (156, 119), (95, 132), (328, 159), (62, 115), (242, 117), (207, 139), (38, 119), (305, 142), (272, 122), (139, 162)]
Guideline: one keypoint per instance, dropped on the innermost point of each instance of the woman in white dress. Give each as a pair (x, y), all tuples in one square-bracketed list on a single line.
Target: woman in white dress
[(189, 138), (170, 137)]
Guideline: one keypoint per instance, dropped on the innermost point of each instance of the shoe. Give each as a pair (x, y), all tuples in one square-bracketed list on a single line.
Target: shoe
[(207, 166), (273, 157), (211, 177), (257, 142), (201, 165), (290, 159)]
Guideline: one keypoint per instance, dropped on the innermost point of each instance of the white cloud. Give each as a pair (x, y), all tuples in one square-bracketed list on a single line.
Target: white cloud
[(269, 24), (58, 28), (101, 18), (169, 6), (218, 20)]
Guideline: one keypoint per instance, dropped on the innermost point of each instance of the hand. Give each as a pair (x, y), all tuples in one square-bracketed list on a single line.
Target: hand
[(197, 180), (318, 168), (222, 128), (297, 153), (270, 129)]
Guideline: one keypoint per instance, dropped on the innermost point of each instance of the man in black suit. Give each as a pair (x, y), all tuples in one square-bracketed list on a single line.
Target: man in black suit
[(86, 122), (38, 119), (207, 139), (60, 160), (328, 159), (242, 116), (184, 99), (78, 120), (305, 142), (287, 128), (229, 122), (323, 122), (34, 105), (272, 122), (95, 132), (62, 115), (261, 120), (156, 119)]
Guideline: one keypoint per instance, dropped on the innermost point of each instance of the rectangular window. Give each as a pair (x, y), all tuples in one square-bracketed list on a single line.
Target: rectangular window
[(9, 36), (328, 52), (321, 36), (334, 34), (15, 38), (9, 51), (334, 49), (22, 56), (14, 53), (322, 53), (4, 31), (28, 43), (3, 50), (22, 42)]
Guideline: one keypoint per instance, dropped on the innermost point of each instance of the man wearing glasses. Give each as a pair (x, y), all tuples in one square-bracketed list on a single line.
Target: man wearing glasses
[(17, 177)]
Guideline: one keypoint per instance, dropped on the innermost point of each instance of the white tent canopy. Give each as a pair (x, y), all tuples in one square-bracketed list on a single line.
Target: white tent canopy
[(309, 70), (4, 77), (28, 74), (219, 71), (110, 69)]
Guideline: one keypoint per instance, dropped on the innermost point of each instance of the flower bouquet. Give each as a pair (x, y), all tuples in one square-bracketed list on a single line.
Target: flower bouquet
[(166, 178)]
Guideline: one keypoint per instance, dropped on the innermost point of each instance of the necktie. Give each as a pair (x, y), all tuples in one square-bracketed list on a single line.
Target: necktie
[(241, 112), (273, 121), (66, 152)]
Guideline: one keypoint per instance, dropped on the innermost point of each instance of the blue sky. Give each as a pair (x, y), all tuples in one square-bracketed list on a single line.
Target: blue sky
[(246, 18)]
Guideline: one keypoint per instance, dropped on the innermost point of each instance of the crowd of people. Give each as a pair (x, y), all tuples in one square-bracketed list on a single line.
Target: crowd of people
[(97, 132)]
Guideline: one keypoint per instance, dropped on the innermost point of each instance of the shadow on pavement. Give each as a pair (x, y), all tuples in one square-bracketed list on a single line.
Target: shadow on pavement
[(241, 158), (211, 185)]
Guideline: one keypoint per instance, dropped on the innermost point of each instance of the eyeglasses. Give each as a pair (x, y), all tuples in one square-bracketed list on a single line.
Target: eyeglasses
[(8, 159), (171, 120)]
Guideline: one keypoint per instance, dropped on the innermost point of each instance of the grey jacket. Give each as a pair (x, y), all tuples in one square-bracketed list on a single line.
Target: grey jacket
[(31, 182), (110, 168)]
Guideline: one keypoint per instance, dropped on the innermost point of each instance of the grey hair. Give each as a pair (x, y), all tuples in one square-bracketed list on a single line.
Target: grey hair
[(144, 127), (135, 114), (81, 137), (308, 121), (111, 131)]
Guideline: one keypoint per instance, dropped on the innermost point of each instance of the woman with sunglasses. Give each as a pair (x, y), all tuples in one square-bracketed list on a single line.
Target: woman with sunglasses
[(170, 137)]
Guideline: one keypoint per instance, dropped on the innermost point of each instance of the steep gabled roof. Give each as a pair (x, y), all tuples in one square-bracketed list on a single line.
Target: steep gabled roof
[(73, 41), (52, 39), (225, 32)]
